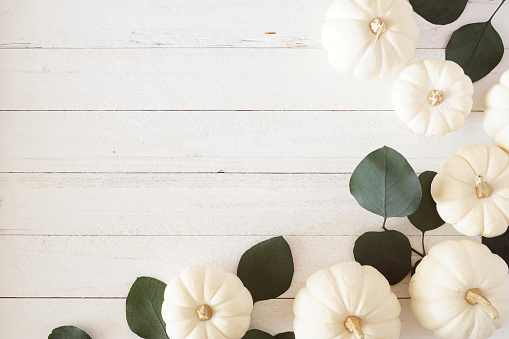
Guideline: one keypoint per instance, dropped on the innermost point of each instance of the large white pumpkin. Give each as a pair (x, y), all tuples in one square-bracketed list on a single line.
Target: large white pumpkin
[(471, 190), (496, 115), (370, 38), (347, 301), (460, 290), (433, 97), (206, 303)]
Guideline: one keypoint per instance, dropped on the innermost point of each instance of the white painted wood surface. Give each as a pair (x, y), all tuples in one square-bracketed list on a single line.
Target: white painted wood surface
[(217, 141), (194, 79), (134, 134), (104, 318)]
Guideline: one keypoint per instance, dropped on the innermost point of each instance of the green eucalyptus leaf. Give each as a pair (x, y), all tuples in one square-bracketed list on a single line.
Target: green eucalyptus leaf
[(68, 332), (143, 308), (285, 335), (477, 48), (257, 334), (499, 245), (439, 12), (384, 183), (388, 251), (266, 269), (426, 218)]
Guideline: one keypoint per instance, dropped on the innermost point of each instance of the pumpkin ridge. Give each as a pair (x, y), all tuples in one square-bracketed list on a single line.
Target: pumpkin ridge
[(367, 9), (501, 206), (329, 307), (211, 298), (182, 289), (452, 105), (464, 226), (455, 118), (211, 324), (395, 46)]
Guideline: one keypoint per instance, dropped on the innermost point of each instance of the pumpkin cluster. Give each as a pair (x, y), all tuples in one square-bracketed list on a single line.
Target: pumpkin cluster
[(373, 39)]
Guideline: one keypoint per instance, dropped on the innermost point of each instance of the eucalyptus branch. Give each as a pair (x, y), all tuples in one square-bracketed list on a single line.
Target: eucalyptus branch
[(417, 252), (413, 249), (423, 247), (496, 10)]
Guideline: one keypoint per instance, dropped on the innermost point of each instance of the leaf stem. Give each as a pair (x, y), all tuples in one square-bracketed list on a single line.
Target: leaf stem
[(414, 250), (417, 252), (423, 247), (496, 10)]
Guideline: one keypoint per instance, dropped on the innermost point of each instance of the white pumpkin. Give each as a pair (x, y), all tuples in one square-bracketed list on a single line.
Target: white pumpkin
[(347, 301), (206, 303), (496, 115), (460, 290), (433, 97), (471, 190), (370, 38)]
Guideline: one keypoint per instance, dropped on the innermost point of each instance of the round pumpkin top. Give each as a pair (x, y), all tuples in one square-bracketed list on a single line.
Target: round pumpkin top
[(471, 190), (346, 301), (370, 39), (206, 302), (433, 97), (460, 290)]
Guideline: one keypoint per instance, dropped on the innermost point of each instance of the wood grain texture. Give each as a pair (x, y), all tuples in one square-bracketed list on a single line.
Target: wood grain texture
[(183, 23), (121, 118), (283, 142), (105, 266), (194, 79), (185, 204), (105, 318)]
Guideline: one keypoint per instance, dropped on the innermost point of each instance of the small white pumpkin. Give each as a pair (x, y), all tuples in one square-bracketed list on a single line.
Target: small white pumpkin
[(206, 303), (496, 115), (433, 97), (471, 190), (370, 38), (460, 290), (347, 301)]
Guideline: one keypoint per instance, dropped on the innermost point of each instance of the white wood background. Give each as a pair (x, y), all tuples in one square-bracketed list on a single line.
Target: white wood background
[(135, 136)]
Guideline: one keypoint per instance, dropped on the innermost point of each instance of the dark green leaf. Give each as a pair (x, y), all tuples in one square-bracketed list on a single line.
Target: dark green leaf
[(384, 183), (257, 334), (266, 269), (499, 245), (415, 266), (439, 12), (143, 308), (426, 218), (286, 335), (389, 252), (68, 332), (477, 48)]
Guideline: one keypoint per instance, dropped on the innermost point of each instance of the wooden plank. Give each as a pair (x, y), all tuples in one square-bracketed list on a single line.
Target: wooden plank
[(185, 204), (277, 316), (181, 23), (193, 79), (283, 142), (105, 318), (106, 266)]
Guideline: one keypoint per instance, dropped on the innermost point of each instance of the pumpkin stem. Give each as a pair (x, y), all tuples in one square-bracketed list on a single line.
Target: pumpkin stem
[(474, 296), (378, 27), (353, 325), (204, 312), (435, 97), (482, 188)]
